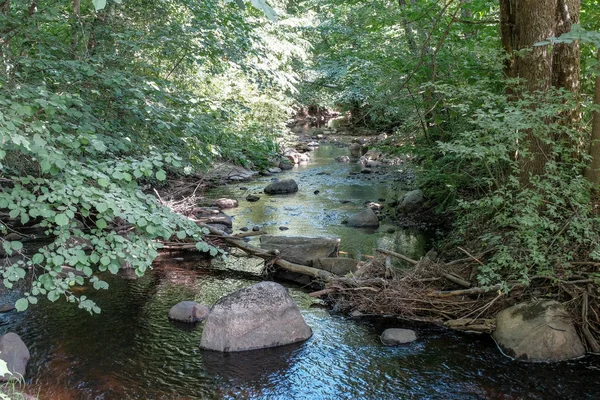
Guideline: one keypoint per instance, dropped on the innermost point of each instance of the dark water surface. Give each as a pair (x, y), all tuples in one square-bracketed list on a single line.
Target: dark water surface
[(132, 351)]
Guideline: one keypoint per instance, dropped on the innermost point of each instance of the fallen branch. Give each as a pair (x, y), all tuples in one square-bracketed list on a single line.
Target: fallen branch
[(459, 281), (398, 255), (268, 255)]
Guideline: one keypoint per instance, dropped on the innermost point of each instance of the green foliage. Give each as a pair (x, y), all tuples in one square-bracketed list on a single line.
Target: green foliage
[(536, 229), (96, 107)]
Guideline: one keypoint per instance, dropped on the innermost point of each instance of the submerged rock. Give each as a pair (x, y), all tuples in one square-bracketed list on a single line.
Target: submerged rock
[(364, 219), (252, 198), (538, 331), (396, 336), (286, 186), (16, 355), (260, 316), (188, 311), (301, 250)]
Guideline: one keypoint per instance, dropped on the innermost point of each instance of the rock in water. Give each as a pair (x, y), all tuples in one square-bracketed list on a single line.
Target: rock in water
[(412, 201), (282, 187), (396, 336), (16, 355), (225, 203), (364, 219), (188, 311), (257, 317), (301, 250), (538, 331), (336, 265)]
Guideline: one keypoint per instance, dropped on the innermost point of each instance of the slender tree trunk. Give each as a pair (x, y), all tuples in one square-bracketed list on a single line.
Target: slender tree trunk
[(408, 32), (76, 26), (593, 171)]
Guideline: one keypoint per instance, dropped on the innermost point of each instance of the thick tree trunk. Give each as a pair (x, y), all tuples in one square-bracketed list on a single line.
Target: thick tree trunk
[(593, 171), (524, 23)]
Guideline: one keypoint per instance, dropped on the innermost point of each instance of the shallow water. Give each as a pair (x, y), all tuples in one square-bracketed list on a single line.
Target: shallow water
[(342, 191), (132, 351)]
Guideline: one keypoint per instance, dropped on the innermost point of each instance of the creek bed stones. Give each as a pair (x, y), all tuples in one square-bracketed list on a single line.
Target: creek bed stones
[(538, 331), (286, 186), (16, 355), (260, 316), (188, 311)]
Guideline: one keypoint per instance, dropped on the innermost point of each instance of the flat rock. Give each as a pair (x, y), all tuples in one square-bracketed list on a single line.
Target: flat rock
[(227, 171), (364, 219), (538, 331), (396, 336), (301, 250), (285, 186), (188, 311), (252, 198), (260, 316), (337, 265), (225, 203), (16, 355)]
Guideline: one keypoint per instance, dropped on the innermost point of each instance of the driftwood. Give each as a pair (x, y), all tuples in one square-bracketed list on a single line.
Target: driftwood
[(267, 255), (398, 255)]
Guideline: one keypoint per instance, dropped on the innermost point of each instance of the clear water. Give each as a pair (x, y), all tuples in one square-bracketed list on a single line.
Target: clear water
[(132, 351)]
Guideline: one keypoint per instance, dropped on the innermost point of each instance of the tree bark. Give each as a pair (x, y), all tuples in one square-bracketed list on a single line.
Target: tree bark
[(524, 23), (593, 171)]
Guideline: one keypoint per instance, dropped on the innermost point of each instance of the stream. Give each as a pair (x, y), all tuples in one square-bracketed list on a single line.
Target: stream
[(132, 351)]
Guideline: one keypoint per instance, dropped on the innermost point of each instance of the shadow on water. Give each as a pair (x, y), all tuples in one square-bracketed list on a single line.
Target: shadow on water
[(132, 351)]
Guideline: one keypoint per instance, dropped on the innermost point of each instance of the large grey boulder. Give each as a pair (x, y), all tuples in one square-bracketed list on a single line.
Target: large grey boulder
[(282, 187), (336, 265), (396, 336), (364, 219), (538, 331), (301, 250), (188, 311), (412, 201), (260, 316), (16, 355)]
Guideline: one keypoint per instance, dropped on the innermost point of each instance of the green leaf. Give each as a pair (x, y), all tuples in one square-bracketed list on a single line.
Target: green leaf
[(87, 271), (21, 304), (181, 235), (53, 295), (94, 258), (105, 260), (37, 258), (113, 268), (161, 175), (99, 4), (101, 223), (98, 285), (61, 219), (103, 182)]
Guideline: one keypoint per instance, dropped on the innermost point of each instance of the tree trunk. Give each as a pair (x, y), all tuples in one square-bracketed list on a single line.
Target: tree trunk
[(593, 171), (408, 32), (524, 23)]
